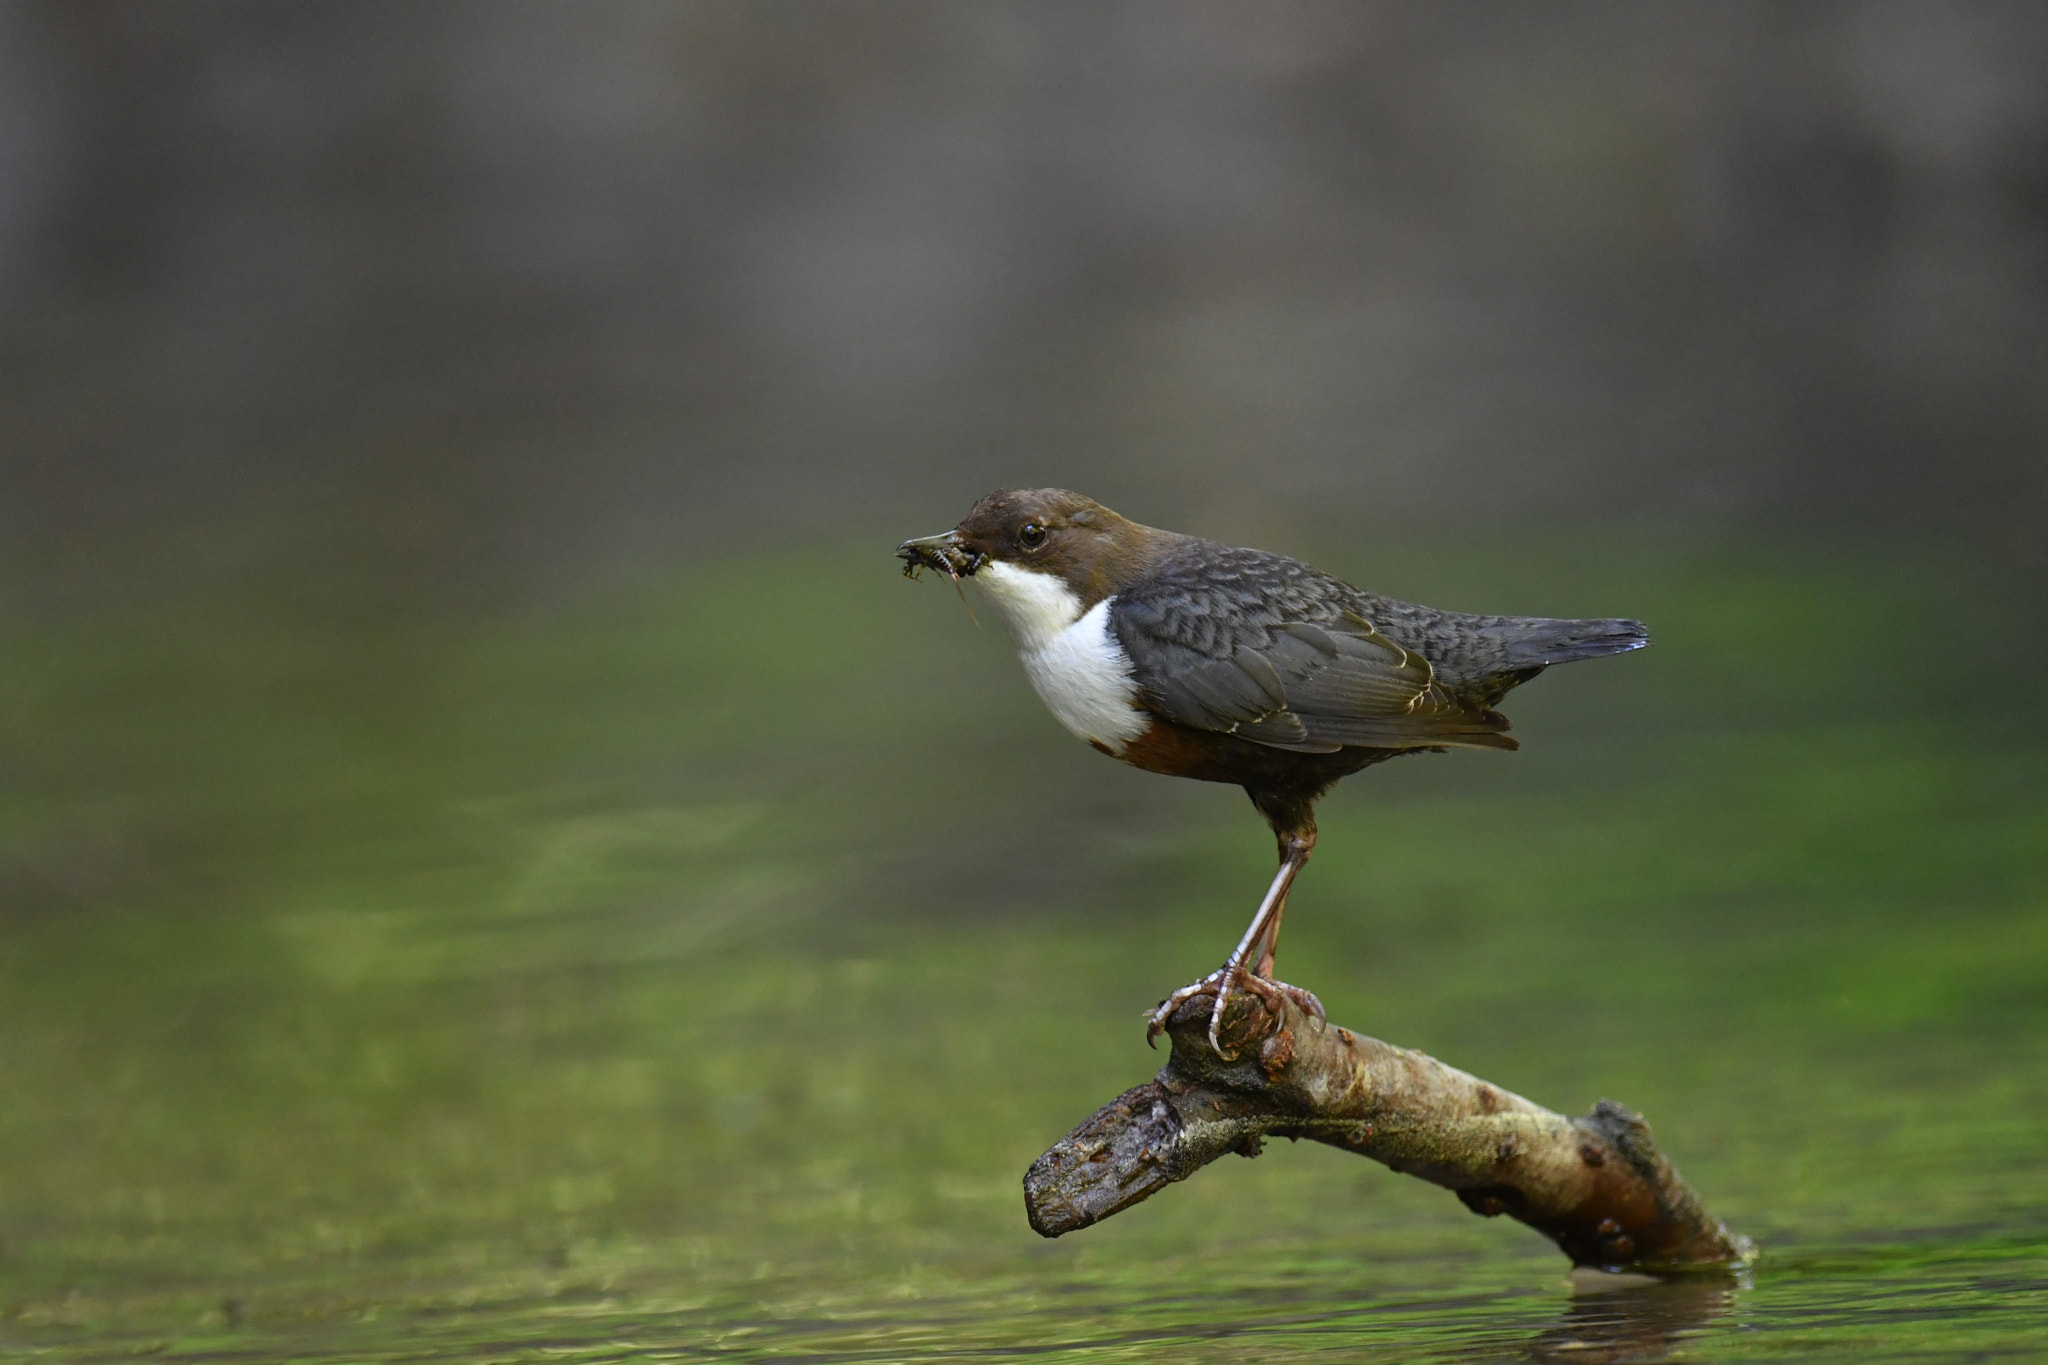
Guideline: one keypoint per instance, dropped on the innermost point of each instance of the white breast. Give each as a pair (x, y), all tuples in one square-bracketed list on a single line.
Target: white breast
[(1072, 657)]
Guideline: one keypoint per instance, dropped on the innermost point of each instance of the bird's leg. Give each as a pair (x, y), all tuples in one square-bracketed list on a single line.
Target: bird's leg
[(1251, 962), (1251, 966), (1294, 851)]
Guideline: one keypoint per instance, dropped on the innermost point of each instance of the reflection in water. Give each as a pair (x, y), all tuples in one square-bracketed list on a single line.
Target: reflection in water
[(1641, 1322)]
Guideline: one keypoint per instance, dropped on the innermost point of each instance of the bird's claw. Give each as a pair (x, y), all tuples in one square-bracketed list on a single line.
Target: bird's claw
[(1222, 981), (1156, 1025)]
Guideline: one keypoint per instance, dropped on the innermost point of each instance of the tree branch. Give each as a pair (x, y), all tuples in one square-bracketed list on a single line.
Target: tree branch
[(1597, 1186)]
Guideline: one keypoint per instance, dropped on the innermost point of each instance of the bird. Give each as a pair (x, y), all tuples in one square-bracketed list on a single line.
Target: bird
[(1185, 656)]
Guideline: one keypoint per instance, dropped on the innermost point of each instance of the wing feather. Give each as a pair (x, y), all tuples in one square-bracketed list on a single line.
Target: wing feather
[(1287, 660)]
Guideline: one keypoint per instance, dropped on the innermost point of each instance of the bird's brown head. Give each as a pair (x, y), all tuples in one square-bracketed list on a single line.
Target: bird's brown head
[(1042, 530)]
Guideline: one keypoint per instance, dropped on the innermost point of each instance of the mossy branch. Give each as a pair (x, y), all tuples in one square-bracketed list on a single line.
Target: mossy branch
[(1597, 1186)]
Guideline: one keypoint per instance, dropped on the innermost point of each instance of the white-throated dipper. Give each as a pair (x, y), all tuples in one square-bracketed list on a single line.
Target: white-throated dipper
[(1184, 656)]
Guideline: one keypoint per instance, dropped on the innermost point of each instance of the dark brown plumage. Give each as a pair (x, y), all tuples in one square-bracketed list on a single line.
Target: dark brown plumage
[(1184, 656)]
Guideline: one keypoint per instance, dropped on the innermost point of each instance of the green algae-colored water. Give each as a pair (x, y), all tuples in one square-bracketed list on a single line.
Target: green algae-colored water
[(688, 971)]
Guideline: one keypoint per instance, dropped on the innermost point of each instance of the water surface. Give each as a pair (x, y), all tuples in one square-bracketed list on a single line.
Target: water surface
[(689, 970)]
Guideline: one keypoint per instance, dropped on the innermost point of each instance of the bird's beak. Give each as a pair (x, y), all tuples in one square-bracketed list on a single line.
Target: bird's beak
[(947, 553)]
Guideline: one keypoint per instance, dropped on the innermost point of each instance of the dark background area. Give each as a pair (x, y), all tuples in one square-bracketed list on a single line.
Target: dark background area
[(398, 304)]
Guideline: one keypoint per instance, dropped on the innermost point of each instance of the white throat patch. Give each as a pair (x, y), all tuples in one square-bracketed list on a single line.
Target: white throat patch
[(1072, 657)]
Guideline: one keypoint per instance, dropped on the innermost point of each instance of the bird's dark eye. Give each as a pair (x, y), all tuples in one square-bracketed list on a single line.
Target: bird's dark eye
[(1033, 535)]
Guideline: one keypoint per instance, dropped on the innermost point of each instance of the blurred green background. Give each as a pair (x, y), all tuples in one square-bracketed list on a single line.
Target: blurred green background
[(495, 863)]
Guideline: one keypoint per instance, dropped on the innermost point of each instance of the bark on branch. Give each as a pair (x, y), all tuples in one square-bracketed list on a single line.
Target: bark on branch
[(1597, 1186)]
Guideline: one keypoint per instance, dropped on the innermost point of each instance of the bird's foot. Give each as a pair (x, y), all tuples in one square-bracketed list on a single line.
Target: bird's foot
[(1156, 1025), (1221, 982)]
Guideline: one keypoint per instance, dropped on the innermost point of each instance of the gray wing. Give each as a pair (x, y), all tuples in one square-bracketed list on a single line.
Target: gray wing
[(1267, 648)]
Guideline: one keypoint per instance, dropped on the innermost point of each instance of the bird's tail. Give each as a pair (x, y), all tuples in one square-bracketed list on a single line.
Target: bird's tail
[(1562, 642)]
